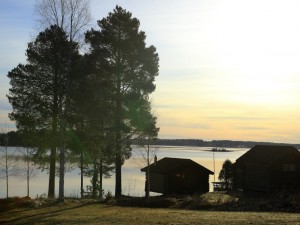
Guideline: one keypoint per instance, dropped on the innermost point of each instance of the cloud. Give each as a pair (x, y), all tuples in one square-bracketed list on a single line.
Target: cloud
[(181, 124), (242, 118), (252, 128)]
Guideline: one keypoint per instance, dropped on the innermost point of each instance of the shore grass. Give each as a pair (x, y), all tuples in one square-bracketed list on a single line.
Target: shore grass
[(77, 212)]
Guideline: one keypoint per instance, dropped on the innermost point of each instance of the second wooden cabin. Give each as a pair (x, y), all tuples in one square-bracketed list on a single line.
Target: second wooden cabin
[(267, 168), (178, 176)]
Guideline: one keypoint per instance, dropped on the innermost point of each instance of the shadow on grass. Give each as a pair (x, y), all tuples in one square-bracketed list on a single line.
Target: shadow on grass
[(42, 215), (14, 212)]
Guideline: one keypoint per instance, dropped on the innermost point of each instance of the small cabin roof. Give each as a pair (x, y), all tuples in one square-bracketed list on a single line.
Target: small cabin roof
[(265, 154), (167, 164)]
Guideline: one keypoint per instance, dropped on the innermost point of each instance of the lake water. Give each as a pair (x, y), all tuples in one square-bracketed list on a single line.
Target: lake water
[(133, 180)]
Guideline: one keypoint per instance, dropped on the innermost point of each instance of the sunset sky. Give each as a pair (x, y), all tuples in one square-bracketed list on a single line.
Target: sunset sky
[(228, 69)]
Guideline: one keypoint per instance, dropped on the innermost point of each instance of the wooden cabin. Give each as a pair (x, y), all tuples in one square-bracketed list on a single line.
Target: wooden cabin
[(267, 168), (178, 176)]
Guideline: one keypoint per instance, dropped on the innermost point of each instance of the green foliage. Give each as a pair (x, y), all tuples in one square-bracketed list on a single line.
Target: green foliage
[(91, 193), (108, 196)]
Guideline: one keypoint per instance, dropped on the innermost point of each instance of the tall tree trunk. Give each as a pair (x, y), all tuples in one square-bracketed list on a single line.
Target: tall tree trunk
[(100, 178), (148, 171), (28, 171), (6, 164), (94, 179), (118, 160), (61, 194), (101, 161), (63, 124), (51, 187), (81, 173), (52, 169), (62, 130), (118, 188)]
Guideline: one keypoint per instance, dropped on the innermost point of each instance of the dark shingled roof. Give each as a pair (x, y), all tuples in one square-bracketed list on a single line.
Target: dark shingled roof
[(168, 164), (265, 154)]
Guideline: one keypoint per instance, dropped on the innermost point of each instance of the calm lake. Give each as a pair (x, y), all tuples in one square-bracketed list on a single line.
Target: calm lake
[(133, 180)]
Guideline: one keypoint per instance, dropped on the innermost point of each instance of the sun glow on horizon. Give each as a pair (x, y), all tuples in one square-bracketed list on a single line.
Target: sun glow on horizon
[(241, 77)]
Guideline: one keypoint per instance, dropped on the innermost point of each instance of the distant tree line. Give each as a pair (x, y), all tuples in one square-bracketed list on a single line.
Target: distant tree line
[(15, 140), (176, 142), (214, 143)]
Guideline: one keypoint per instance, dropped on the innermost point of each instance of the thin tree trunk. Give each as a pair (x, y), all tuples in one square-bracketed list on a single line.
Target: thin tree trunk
[(118, 161), (94, 180), (63, 127), (51, 187), (101, 162), (148, 172), (63, 110), (61, 194), (62, 131), (81, 173), (6, 164), (118, 188), (100, 177), (52, 164), (28, 175)]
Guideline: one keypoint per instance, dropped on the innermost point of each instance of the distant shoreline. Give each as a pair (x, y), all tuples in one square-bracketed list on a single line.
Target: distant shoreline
[(213, 144), (15, 141)]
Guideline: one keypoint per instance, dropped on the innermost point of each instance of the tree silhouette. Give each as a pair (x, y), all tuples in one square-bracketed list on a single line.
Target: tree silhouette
[(39, 89), (131, 69), (72, 16), (226, 173)]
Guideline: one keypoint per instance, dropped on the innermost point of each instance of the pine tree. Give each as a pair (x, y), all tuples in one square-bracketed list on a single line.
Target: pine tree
[(38, 89), (131, 68)]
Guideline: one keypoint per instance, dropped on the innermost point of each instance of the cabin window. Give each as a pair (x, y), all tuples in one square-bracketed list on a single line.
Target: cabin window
[(289, 167), (180, 175)]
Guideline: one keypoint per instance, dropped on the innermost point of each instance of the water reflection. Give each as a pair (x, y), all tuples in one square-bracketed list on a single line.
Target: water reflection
[(132, 177)]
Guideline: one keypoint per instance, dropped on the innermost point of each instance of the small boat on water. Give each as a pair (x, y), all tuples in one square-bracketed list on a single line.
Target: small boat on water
[(219, 150)]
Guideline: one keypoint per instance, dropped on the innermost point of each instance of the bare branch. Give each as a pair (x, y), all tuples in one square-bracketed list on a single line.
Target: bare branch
[(73, 16)]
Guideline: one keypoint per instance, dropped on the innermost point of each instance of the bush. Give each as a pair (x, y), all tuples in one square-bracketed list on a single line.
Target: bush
[(286, 199), (15, 202)]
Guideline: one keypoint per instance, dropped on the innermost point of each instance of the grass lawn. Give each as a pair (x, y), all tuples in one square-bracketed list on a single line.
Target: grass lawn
[(73, 212)]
